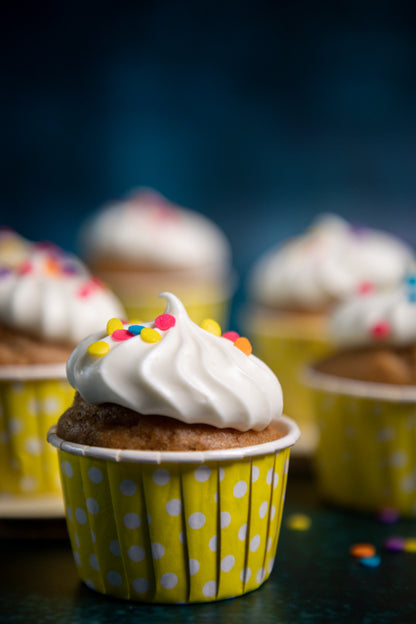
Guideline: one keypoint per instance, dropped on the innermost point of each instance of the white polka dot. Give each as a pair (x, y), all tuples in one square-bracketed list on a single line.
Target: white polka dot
[(33, 446), (161, 476), (17, 387), (15, 426), (32, 407), (193, 566), (69, 513), (263, 509), (269, 477), (114, 578), (95, 475), (50, 405), (157, 550), (94, 562), (196, 520), (169, 580), (398, 459), (76, 538), (174, 507), (115, 548), (80, 515), (408, 483), (245, 575), (209, 589), (270, 566), (77, 558), (93, 538), (240, 489), (386, 434), (227, 563), (260, 576), (269, 543), (202, 473), (89, 583), (132, 520), (275, 480), (216, 497), (255, 473), (225, 519), (213, 543), (136, 553), (286, 468), (140, 585), (273, 512), (255, 543), (128, 487), (92, 505), (27, 483), (221, 473), (67, 469), (182, 537), (242, 533)]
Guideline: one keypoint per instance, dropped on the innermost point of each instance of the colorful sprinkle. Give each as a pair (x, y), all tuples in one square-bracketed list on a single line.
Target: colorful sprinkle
[(136, 322), (231, 335), (112, 325), (298, 522), (136, 329), (388, 515), (121, 334), (363, 550), (380, 330), (244, 345), (410, 545), (99, 348), (25, 268), (211, 326), (370, 562), (394, 543), (411, 288), (150, 335), (365, 288), (165, 321), (89, 287)]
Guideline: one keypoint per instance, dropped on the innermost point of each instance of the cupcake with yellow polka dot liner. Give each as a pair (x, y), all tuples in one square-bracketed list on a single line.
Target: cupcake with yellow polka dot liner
[(174, 460), (144, 244), (365, 403), (48, 302), (293, 288)]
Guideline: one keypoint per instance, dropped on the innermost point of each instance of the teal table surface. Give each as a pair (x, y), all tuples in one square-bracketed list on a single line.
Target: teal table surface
[(315, 579)]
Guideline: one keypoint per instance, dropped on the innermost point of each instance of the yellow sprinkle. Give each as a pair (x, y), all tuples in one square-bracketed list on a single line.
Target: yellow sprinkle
[(211, 326), (298, 522), (99, 348), (150, 335), (136, 322), (410, 545), (113, 324)]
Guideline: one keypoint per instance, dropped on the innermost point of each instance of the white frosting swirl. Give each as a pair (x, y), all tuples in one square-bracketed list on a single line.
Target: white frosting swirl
[(146, 229), (379, 317), (52, 295), (190, 374), (328, 263)]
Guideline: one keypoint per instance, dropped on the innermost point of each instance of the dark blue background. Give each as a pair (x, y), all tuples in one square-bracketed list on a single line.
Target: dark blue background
[(258, 114)]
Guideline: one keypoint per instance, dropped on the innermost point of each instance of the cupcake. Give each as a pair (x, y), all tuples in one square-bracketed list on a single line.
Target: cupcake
[(365, 403), (144, 244), (174, 459), (48, 303), (293, 288)]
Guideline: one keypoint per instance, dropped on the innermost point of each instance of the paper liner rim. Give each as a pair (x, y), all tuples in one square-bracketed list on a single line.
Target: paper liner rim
[(23, 372), (354, 387), (158, 457)]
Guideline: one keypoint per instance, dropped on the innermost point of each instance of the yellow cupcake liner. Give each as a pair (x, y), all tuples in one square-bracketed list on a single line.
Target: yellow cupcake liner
[(287, 351), (31, 400), (174, 527), (366, 456)]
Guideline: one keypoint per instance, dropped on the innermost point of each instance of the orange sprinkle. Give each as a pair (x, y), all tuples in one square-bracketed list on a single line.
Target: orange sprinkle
[(362, 550), (244, 345)]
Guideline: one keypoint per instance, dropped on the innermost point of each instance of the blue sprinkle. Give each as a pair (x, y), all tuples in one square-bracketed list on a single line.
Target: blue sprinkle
[(370, 562), (136, 329), (411, 280), (411, 296)]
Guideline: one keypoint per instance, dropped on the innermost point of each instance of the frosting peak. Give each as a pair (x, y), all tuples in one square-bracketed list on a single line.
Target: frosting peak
[(173, 367)]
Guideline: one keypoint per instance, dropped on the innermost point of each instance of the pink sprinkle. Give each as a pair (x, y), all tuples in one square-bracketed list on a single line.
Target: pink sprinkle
[(380, 330), (165, 321), (231, 335), (365, 288), (121, 334), (26, 267)]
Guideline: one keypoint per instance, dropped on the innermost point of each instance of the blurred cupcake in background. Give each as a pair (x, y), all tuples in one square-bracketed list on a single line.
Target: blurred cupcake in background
[(365, 403), (48, 302), (294, 286), (144, 244)]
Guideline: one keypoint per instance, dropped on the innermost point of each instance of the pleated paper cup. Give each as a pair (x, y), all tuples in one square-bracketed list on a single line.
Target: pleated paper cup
[(31, 399), (174, 527), (366, 455), (287, 344)]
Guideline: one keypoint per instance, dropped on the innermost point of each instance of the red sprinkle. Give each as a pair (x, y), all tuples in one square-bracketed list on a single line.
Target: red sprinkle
[(365, 288), (231, 335), (380, 330), (121, 334), (26, 267), (165, 321)]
